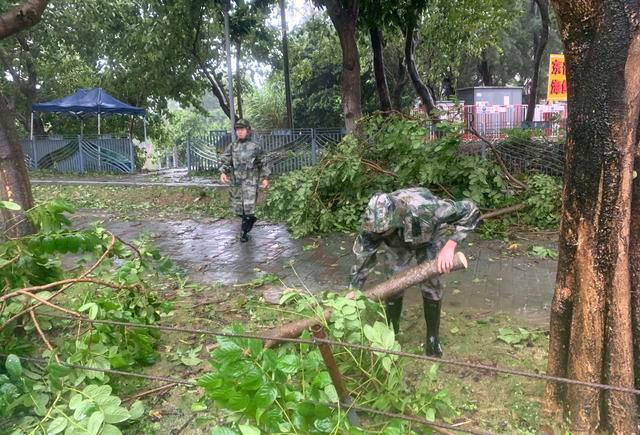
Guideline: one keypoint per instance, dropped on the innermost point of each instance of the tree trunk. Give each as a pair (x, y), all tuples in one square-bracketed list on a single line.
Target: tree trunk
[(447, 87), (21, 17), (285, 63), (484, 69), (375, 33), (591, 337), (238, 80), (543, 6), (421, 89), (634, 262), (400, 83), (344, 15), (14, 180)]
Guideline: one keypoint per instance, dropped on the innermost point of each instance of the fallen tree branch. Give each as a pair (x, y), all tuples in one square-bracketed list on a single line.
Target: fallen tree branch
[(151, 391), (502, 211), (496, 154), (385, 290), (66, 281), (43, 337), (49, 304)]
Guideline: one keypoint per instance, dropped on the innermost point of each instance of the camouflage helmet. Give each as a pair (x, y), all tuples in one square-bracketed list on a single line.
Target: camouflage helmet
[(242, 123), (378, 216)]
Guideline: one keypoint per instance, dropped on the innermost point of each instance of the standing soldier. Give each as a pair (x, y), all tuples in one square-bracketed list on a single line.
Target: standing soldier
[(243, 165), (412, 223)]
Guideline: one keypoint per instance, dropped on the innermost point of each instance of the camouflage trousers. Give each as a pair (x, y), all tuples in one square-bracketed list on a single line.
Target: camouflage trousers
[(399, 258), (244, 194)]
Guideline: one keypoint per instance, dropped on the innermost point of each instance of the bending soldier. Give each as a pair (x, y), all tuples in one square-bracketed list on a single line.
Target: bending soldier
[(412, 223), (243, 165)]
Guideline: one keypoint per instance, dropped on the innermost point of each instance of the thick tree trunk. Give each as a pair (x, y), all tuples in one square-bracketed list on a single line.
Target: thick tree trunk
[(543, 7), (344, 15), (634, 262), (421, 89), (591, 336), (238, 80), (14, 180), (378, 68), (484, 69)]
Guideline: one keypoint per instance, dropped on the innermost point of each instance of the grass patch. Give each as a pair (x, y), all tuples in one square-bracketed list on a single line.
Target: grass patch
[(139, 202)]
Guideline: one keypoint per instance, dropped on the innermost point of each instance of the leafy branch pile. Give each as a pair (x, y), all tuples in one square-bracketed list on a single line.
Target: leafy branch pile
[(393, 152), (108, 281), (289, 390)]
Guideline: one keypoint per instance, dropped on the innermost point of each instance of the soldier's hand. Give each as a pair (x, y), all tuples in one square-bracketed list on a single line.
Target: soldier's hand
[(264, 184), (223, 178), (445, 257)]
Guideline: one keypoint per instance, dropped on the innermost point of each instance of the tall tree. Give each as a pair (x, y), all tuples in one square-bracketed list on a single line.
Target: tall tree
[(344, 16), (14, 181), (539, 44), (592, 327)]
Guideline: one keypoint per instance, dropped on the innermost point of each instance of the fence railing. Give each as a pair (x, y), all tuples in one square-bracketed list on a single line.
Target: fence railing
[(80, 153), (286, 149)]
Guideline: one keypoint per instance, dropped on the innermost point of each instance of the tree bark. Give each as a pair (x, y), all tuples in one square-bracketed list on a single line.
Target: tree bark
[(409, 54), (543, 7), (14, 180), (400, 83), (484, 69), (591, 337), (21, 17), (238, 79), (344, 14), (375, 34)]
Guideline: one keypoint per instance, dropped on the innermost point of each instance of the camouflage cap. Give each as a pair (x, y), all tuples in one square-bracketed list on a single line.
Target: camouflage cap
[(242, 123), (378, 216)]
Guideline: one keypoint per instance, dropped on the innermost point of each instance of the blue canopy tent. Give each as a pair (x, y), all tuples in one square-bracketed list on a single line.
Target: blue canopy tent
[(87, 102)]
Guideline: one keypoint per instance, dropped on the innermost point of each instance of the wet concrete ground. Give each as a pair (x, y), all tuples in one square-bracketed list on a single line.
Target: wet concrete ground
[(498, 279)]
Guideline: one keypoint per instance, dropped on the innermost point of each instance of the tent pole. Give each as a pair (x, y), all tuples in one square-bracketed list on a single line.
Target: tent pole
[(98, 123), (31, 127)]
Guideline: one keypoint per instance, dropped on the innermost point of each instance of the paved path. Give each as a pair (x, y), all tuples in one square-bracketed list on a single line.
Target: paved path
[(210, 252)]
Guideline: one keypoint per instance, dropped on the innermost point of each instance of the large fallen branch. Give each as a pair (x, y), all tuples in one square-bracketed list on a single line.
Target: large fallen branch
[(385, 290), (502, 211)]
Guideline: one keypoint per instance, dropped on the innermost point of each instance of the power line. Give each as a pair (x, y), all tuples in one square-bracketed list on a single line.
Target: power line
[(315, 341)]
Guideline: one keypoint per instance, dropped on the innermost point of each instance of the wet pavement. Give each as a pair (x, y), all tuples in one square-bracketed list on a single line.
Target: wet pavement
[(498, 278)]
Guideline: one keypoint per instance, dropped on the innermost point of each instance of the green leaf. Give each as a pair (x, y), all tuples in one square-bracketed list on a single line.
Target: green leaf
[(289, 364), (265, 396), (137, 410), (13, 366), (84, 409), (57, 426), (249, 430), (95, 422), (116, 415), (10, 205), (430, 414), (110, 429)]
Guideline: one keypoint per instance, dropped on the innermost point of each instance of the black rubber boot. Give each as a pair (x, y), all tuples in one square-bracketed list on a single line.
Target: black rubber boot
[(393, 309), (245, 228), (251, 219), (432, 318)]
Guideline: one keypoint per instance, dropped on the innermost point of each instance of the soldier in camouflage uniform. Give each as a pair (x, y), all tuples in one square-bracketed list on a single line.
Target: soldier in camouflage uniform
[(243, 165), (413, 223)]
